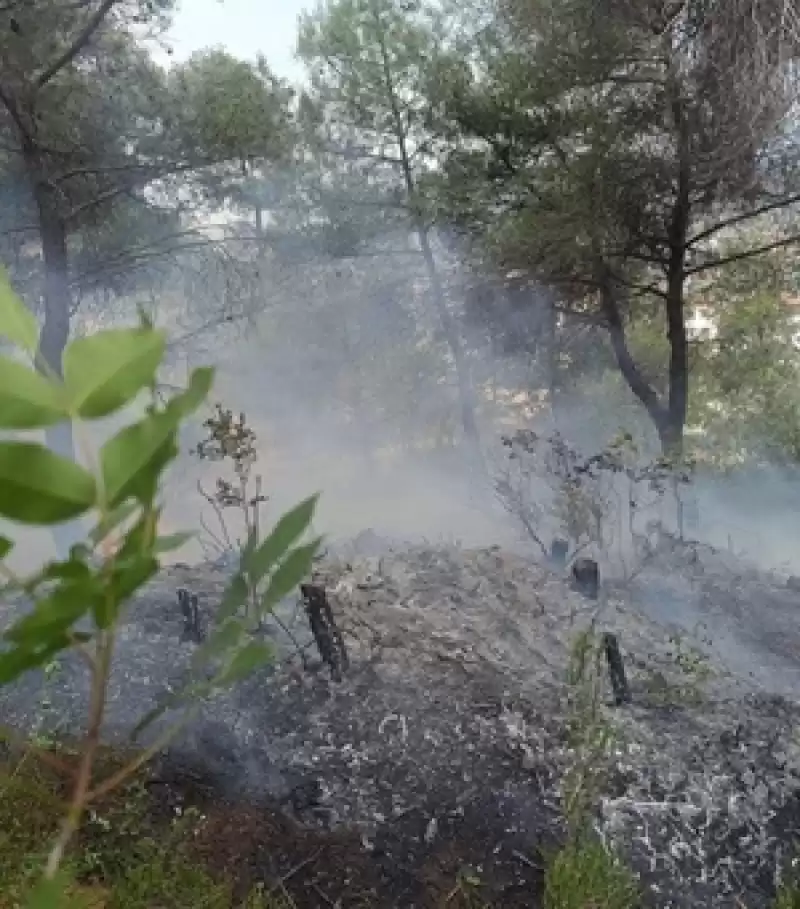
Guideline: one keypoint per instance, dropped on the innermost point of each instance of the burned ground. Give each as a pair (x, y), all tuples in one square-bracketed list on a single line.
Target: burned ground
[(442, 750)]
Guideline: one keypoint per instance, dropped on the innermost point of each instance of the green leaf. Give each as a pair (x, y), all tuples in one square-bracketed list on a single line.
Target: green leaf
[(17, 322), (131, 575), (127, 577), (51, 893), (190, 695), (105, 371), (13, 663), (289, 574), (172, 541), (186, 403), (73, 569), (38, 486), (55, 614), (289, 528), (111, 520), (223, 638), (250, 544), (6, 546), (245, 661), (27, 399), (235, 596), (172, 700), (140, 537), (133, 565), (133, 460), (169, 702)]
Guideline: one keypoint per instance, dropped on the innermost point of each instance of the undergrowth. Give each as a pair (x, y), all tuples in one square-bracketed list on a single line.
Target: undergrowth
[(135, 852), (788, 897), (585, 873), (126, 854)]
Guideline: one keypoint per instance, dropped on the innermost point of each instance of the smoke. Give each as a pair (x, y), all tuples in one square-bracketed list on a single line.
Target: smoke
[(753, 513), (342, 371)]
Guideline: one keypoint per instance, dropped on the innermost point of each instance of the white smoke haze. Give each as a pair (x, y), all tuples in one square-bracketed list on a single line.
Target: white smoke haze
[(342, 375)]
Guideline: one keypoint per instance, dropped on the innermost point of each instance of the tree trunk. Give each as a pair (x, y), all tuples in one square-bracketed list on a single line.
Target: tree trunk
[(673, 422), (550, 335), (52, 229), (677, 233), (55, 329), (669, 418), (670, 436), (466, 398), (615, 327), (449, 327)]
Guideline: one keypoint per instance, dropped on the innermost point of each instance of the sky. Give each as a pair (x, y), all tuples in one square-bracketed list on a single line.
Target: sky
[(243, 28)]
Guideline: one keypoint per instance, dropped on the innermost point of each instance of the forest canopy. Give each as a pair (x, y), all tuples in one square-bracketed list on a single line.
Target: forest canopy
[(525, 196)]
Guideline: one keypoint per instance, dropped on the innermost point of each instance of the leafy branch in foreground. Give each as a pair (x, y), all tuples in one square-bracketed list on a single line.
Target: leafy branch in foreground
[(78, 601)]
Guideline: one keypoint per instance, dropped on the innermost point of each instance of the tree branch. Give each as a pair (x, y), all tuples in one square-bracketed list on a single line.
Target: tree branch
[(744, 254), (636, 380), (131, 258), (648, 258), (64, 59), (98, 200), (152, 170), (25, 229), (13, 111), (585, 318), (744, 216)]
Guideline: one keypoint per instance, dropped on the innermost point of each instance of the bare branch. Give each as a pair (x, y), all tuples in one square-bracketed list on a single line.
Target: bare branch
[(744, 254), (742, 217), (98, 200), (129, 167), (80, 41), (14, 112), (25, 229), (129, 259)]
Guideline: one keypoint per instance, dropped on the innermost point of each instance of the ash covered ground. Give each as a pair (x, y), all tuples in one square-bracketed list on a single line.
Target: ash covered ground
[(446, 737)]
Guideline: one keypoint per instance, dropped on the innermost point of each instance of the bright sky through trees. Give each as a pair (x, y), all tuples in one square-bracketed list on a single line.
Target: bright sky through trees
[(243, 27)]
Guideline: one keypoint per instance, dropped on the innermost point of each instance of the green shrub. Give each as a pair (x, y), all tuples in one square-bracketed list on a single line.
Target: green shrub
[(118, 490), (585, 875)]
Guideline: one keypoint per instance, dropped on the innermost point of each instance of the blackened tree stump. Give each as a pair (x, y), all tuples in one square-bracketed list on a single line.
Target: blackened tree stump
[(586, 578)]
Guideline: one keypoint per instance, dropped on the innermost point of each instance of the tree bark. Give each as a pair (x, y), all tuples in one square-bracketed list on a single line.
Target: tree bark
[(671, 430), (22, 110), (678, 235), (449, 328), (55, 328), (551, 350), (466, 398), (669, 418)]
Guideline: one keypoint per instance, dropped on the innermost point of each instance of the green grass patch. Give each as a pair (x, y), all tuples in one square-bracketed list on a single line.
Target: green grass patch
[(585, 875), (788, 897), (123, 858), (130, 854)]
